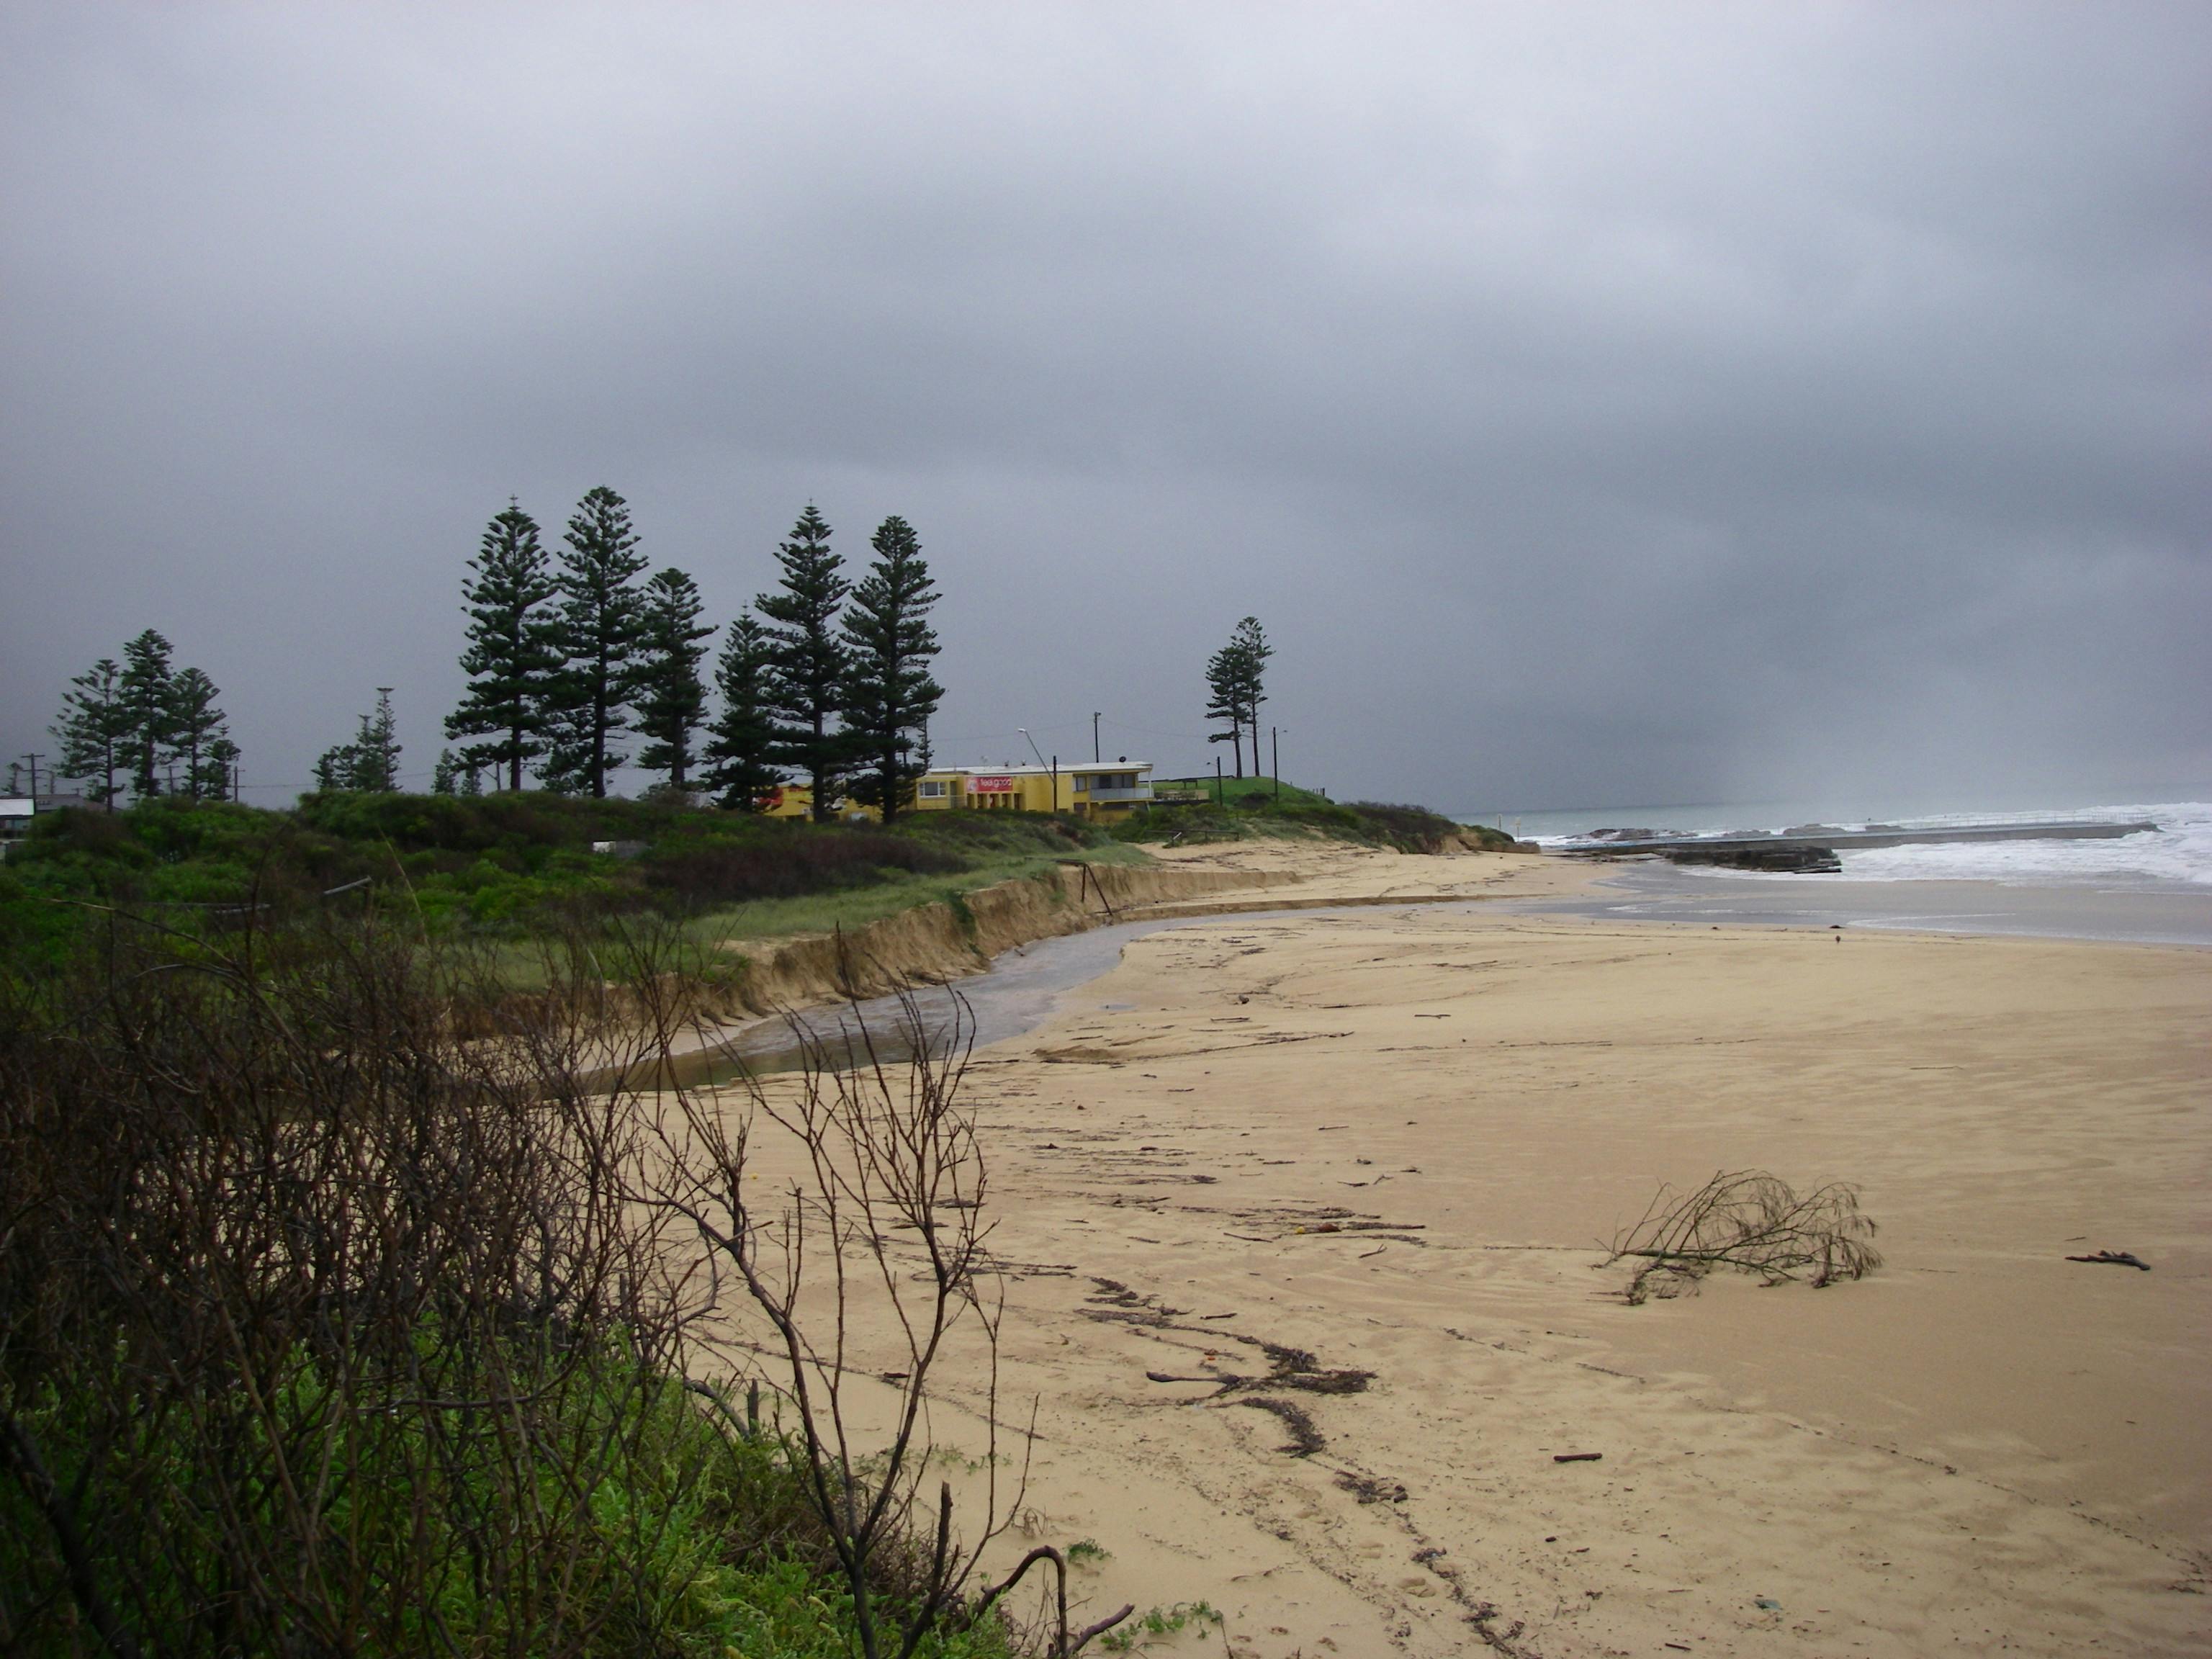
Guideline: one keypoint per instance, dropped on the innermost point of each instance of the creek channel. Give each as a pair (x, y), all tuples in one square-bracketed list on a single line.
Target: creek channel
[(1018, 991)]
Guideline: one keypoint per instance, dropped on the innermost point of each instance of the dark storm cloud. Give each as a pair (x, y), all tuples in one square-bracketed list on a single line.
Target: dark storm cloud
[(1597, 403)]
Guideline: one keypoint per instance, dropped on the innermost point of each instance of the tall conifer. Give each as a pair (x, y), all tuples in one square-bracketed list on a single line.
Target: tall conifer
[(671, 698), (512, 656), (1224, 676), (1235, 680), (889, 693), (602, 623), (376, 748), (145, 694), (805, 680), (218, 779), (1250, 643), (739, 770), (94, 731), (371, 761), (195, 725)]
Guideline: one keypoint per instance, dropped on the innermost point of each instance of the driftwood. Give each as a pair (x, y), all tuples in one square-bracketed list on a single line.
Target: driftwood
[(1751, 1221), (2115, 1258)]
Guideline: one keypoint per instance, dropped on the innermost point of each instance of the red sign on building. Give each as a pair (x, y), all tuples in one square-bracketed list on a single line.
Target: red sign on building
[(1000, 785)]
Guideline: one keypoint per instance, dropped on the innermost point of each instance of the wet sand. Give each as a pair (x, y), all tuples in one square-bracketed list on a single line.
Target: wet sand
[(1343, 1175), (1649, 891)]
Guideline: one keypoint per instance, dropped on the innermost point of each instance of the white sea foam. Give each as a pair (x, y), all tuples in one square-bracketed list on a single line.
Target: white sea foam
[(2177, 856), (2178, 853)]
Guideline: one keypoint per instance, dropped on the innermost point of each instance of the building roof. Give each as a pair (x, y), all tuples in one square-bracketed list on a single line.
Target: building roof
[(1030, 768)]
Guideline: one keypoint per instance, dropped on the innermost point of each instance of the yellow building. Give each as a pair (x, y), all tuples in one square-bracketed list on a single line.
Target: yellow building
[(1091, 789)]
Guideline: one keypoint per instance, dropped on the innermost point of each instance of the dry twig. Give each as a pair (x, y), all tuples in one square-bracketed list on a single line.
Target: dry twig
[(880, 1233), (1749, 1220)]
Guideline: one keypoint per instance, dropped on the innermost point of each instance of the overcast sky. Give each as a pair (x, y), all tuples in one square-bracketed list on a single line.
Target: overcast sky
[(1598, 403)]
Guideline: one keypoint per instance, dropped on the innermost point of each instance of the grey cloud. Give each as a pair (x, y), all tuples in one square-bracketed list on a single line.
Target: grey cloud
[(1598, 402)]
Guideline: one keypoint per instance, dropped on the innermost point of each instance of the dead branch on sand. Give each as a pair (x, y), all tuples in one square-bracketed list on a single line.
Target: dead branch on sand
[(1750, 1220)]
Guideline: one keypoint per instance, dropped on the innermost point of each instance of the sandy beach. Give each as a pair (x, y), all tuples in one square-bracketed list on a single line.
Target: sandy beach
[(1365, 1160)]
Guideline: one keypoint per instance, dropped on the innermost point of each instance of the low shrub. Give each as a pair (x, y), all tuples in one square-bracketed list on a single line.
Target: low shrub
[(322, 1331), (700, 874), (502, 864)]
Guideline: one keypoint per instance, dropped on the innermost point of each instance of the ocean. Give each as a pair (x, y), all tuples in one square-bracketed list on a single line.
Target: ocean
[(2154, 887)]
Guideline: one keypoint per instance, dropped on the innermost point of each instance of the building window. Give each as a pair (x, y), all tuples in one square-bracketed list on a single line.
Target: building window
[(931, 789)]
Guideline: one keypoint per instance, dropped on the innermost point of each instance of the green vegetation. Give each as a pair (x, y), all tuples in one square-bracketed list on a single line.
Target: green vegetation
[(1157, 1622), (335, 1316), (509, 866), (1253, 809)]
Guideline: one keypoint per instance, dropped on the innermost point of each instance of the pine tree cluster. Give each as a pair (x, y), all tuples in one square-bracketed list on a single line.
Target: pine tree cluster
[(145, 725), (1235, 679), (371, 761), (826, 681)]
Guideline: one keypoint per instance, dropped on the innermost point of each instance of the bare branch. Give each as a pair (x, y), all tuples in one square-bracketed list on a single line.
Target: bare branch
[(1751, 1221)]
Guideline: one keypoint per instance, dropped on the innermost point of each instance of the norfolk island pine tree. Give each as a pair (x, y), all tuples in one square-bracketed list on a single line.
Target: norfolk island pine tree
[(94, 731), (512, 656), (143, 692), (1235, 676), (376, 749), (195, 726), (671, 699), (1223, 675), (219, 771), (738, 770), (805, 680), (1250, 641), (889, 693), (371, 761), (601, 625)]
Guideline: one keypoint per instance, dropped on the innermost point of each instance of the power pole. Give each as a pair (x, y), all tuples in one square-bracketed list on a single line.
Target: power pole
[(1094, 736), (34, 760), (1275, 758)]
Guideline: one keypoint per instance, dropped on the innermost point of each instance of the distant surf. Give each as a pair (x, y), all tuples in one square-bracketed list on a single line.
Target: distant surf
[(2154, 887), (2176, 856)]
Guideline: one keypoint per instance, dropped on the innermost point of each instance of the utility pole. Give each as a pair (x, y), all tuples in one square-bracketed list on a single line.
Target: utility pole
[(1055, 783), (1094, 736), (1216, 778), (1275, 758), (34, 759)]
